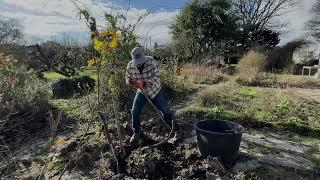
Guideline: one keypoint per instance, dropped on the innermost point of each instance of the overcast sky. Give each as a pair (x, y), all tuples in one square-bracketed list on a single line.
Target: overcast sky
[(43, 19)]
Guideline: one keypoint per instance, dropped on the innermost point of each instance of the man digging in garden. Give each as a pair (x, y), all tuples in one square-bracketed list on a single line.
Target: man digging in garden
[(143, 72)]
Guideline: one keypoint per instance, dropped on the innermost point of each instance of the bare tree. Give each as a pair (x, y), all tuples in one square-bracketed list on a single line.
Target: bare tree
[(260, 22), (10, 30), (314, 24), (262, 14), (63, 55)]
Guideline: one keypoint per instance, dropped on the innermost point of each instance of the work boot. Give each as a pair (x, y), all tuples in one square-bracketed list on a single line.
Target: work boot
[(135, 138)]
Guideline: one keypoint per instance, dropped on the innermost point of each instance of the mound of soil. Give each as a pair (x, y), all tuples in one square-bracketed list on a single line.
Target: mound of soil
[(150, 164), (87, 155)]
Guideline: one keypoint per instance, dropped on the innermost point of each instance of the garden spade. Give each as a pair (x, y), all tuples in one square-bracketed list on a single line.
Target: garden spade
[(140, 86)]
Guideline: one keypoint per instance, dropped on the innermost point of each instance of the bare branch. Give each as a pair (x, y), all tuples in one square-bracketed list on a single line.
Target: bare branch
[(314, 24), (10, 30), (261, 13)]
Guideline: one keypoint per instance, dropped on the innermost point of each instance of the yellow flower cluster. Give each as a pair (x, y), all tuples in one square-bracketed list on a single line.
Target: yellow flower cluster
[(92, 62), (109, 37), (104, 42)]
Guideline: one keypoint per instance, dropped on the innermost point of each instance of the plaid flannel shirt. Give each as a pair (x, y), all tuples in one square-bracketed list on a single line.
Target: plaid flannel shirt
[(149, 73)]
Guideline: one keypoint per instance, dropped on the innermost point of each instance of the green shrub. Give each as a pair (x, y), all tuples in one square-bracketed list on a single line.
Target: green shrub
[(20, 88), (250, 66), (63, 88), (23, 102), (66, 88), (84, 84)]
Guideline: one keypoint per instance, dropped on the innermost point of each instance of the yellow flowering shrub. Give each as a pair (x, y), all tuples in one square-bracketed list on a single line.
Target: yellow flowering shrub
[(113, 44)]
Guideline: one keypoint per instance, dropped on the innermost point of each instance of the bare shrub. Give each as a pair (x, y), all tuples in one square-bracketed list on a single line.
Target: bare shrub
[(200, 74), (250, 66), (54, 124), (172, 84)]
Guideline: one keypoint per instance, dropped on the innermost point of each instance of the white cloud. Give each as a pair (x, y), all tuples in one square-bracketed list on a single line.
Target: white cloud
[(157, 26), (43, 18)]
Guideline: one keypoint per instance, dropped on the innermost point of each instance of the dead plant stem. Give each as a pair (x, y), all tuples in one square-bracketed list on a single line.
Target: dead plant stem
[(107, 136)]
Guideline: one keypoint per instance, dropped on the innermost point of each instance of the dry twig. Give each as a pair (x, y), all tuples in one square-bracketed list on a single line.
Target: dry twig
[(107, 136)]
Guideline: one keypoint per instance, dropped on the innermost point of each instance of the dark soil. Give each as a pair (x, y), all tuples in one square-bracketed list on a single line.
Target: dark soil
[(168, 161), (94, 159)]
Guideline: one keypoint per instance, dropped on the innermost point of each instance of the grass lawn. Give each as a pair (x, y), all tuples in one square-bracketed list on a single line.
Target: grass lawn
[(76, 108), (89, 72), (257, 108), (286, 80), (51, 75)]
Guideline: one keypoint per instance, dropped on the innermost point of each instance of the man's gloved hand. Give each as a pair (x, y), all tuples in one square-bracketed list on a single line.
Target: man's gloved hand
[(140, 84), (129, 80)]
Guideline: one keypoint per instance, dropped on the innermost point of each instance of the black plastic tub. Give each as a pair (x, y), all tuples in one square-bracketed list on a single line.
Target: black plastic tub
[(219, 139)]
